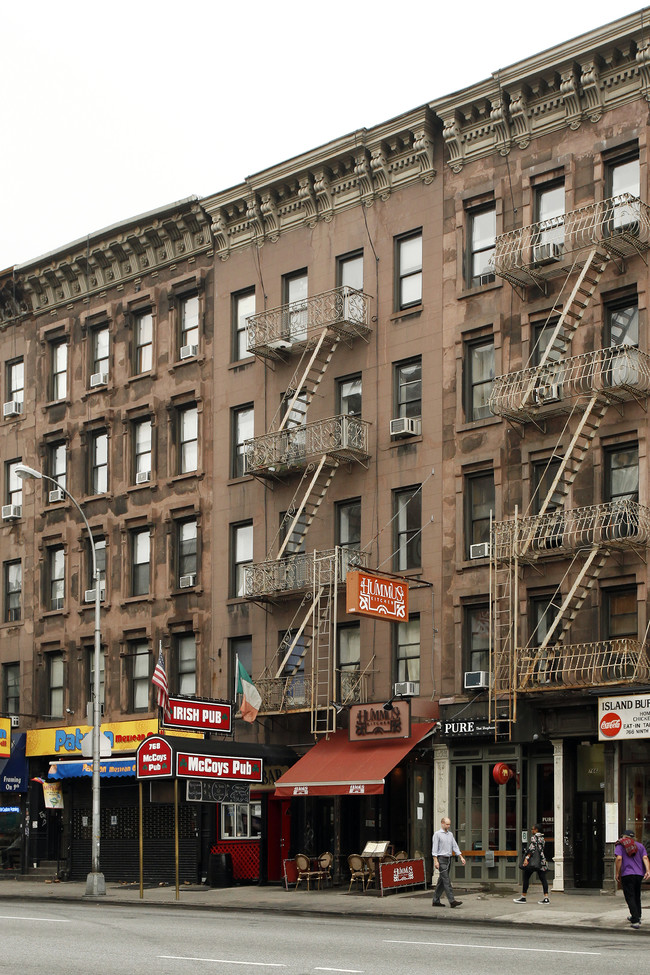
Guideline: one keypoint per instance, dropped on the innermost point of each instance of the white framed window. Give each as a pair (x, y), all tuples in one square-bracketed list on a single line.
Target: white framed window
[(241, 820)]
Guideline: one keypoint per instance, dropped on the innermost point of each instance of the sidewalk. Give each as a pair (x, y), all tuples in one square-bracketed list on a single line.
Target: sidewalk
[(577, 910)]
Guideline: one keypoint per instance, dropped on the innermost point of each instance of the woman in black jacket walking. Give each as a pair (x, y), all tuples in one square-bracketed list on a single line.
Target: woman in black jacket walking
[(534, 862)]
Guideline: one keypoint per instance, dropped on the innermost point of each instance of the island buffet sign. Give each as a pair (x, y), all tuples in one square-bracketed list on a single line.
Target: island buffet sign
[(368, 594)]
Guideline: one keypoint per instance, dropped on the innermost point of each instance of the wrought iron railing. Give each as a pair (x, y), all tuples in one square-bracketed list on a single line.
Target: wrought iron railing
[(275, 332), (342, 437), (616, 524), (619, 373), (280, 694), (582, 665), (296, 572), (621, 224)]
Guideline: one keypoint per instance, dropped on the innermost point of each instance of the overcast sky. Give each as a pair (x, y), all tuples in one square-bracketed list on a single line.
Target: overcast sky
[(110, 110)]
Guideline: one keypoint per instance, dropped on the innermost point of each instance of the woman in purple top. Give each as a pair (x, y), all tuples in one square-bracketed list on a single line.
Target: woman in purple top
[(632, 866)]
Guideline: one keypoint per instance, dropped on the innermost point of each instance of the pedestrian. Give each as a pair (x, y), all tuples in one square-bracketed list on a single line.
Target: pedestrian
[(534, 862), (443, 847), (632, 866)]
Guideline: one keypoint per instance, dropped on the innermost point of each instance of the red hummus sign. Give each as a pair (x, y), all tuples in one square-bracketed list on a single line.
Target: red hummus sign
[(376, 596)]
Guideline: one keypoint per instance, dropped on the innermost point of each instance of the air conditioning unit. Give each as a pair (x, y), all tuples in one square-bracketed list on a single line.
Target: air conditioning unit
[(15, 721), (547, 253), (548, 394), (484, 279), (98, 379), (142, 477), (186, 582), (12, 511), (406, 426), (56, 495), (406, 688), (476, 680), (481, 550), (189, 351), (13, 408), (89, 595)]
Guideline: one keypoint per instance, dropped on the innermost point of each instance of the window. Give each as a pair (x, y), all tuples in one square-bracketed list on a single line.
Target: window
[(295, 292), (56, 577), (349, 271), (186, 663), (13, 484), (549, 215), (241, 554), (482, 230), (479, 502), (15, 381), (11, 688), (143, 332), (622, 323), (90, 652), (100, 555), (140, 561), (477, 637), (623, 177), (348, 524), (620, 613), (186, 542), (542, 611), (242, 428), (408, 388), (243, 305), (55, 684), (139, 675), (407, 528), (188, 440), (241, 820), (542, 335), (98, 462), (408, 285), (296, 543), (349, 662), (188, 335), (241, 647), (622, 473), (295, 691), (349, 396), (13, 587), (142, 439), (59, 377), (407, 650), (544, 473), (99, 343), (56, 462), (479, 376)]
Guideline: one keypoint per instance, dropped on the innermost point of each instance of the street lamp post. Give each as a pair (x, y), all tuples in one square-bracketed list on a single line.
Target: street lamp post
[(95, 883)]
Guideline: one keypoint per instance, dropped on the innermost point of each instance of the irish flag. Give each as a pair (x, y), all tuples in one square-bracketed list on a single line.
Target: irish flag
[(251, 700)]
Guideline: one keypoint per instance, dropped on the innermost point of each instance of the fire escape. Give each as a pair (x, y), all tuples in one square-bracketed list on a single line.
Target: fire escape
[(306, 333), (580, 388)]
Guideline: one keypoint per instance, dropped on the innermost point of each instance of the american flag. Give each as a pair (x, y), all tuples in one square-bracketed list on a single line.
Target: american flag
[(159, 681)]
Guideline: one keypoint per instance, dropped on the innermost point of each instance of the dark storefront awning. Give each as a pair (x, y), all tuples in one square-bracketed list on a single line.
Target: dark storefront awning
[(336, 766), (108, 768)]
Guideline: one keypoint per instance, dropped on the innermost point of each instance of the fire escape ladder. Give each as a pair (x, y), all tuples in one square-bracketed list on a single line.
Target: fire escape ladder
[(574, 599), (323, 713), (503, 626), (304, 383), (302, 509)]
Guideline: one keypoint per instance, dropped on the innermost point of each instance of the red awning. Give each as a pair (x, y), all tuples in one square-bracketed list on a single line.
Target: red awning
[(336, 766)]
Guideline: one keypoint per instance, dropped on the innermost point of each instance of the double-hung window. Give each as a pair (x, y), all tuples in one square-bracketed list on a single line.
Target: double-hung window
[(477, 637), (407, 650), (55, 595), (142, 444), (13, 586), (188, 332), (479, 376), (187, 549), (140, 561), (55, 669), (241, 554), (99, 462), (59, 370), (408, 266), (139, 675), (408, 388), (624, 189), (407, 526), (482, 228), (143, 338), (15, 381), (186, 663), (548, 241), (11, 688), (295, 289), (243, 305), (349, 662), (188, 439), (13, 483), (479, 502), (349, 395), (56, 466), (99, 346), (242, 429)]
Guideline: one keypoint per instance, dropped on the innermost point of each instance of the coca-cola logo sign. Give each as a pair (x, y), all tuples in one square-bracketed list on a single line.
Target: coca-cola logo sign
[(610, 724)]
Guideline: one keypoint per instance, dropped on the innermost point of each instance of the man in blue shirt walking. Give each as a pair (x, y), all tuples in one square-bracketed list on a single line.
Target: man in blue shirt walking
[(443, 847)]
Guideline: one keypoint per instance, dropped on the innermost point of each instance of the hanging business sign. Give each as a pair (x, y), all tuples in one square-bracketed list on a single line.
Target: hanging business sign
[(376, 596), (193, 766), (370, 722), (192, 715), (626, 716), (469, 728), (154, 759)]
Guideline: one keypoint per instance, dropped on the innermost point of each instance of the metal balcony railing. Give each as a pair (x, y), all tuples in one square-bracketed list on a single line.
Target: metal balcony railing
[(619, 373), (550, 247), (582, 665), (278, 332), (296, 573), (281, 694), (614, 525), (340, 437)]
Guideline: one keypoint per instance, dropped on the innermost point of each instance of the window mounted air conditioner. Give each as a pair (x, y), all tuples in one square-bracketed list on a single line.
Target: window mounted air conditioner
[(483, 279), (481, 550), (406, 426), (15, 721), (98, 379), (547, 253), (56, 495), (12, 511), (548, 394), (405, 688), (477, 680), (142, 477), (13, 408), (89, 595), (186, 582), (189, 351)]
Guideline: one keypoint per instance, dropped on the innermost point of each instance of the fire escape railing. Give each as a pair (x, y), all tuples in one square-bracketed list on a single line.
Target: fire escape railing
[(623, 661), (341, 437), (296, 572)]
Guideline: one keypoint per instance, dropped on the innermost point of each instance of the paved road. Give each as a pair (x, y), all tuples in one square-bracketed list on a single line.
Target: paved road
[(91, 938)]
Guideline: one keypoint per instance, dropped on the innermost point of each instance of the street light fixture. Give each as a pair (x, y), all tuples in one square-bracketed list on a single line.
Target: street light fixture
[(95, 883)]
